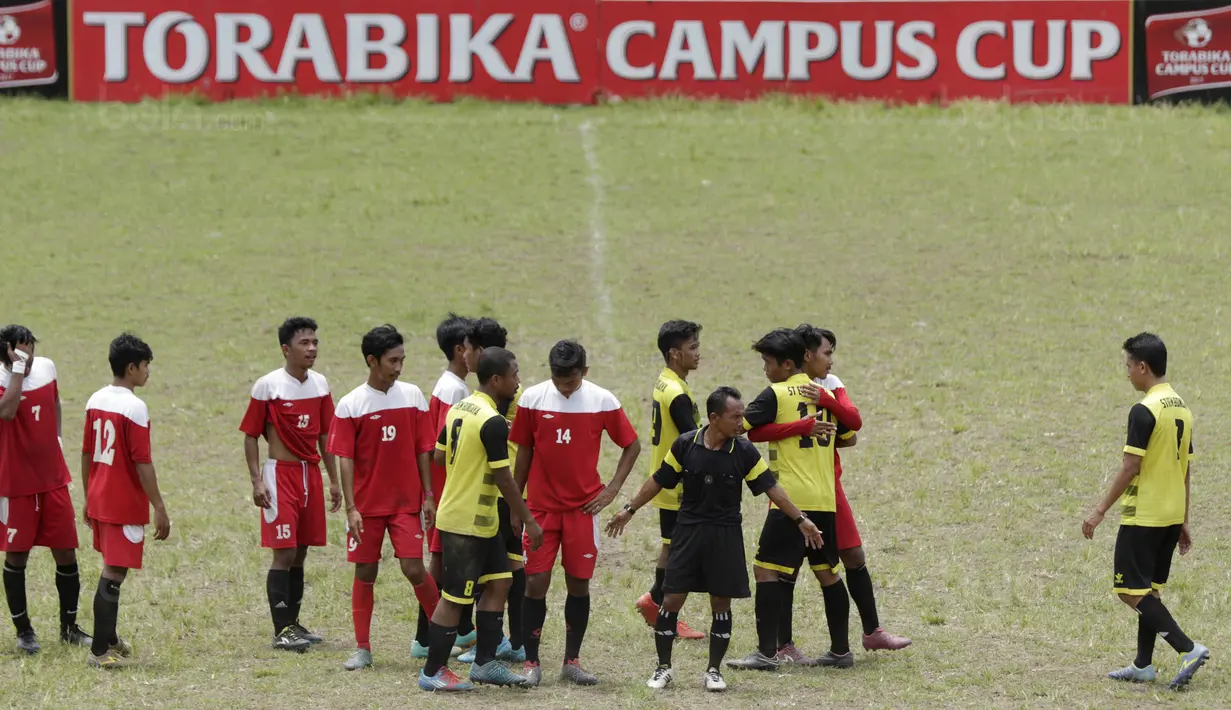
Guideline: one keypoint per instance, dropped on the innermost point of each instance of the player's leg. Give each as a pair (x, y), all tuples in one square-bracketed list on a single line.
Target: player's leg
[(418, 647), (513, 649), (279, 533), (363, 600), (664, 638), (579, 554), (538, 581), (312, 533), (489, 618), (68, 588), (720, 641), (462, 558), (106, 649), (58, 531), (859, 580), (725, 576), (649, 603), (1151, 608), (787, 652), (1133, 575), (824, 564), (20, 521), (406, 534), (780, 551)]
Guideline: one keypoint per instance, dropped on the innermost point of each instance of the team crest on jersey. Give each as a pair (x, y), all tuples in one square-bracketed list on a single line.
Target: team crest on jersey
[(548, 416), (375, 417), (288, 404)]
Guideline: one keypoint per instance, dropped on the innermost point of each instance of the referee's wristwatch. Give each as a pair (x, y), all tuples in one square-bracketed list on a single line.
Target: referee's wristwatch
[(800, 520), (630, 509)]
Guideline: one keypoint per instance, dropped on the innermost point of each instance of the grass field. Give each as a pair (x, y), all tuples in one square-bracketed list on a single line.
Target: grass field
[(980, 265)]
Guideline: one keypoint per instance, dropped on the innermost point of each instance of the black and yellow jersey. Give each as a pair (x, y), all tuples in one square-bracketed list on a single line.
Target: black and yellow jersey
[(803, 466), (510, 412), (475, 440), (1160, 431), (674, 412)]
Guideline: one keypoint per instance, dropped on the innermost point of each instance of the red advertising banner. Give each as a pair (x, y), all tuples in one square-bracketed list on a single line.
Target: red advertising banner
[(1188, 51), (575, 51), (27, 45)]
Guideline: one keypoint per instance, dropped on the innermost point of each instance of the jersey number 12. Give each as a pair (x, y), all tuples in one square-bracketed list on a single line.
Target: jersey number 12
[(104, 441)]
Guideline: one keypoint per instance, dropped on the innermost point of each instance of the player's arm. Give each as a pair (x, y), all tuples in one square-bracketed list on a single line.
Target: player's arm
[(667, 476), (59, 421), (10, 401), (522, 434), (846, 441), (331, 468), (85, 486), (1140, 427), (680, 411), (495, 437), (149, 484), (354, 520), (441, 454), (622, 433), (252, 455), (253, 427), (423, 461)]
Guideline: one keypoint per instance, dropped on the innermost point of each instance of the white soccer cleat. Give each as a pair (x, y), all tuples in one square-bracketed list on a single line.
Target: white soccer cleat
[(714, 682), (663, 675)]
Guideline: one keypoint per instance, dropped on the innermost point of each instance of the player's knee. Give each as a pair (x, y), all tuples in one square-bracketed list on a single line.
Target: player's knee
[(720, 605), (301, 554), (1130, 599), (16, 559), (537, 584), (577, 587), (283, 559), (762, 574), (827, 577), (413, 571), (64, 557), (367, 571), (498, 587), (853, 558)]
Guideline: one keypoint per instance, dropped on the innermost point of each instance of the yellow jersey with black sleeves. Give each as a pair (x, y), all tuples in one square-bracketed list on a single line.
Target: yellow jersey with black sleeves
[(1160, 431), (673, 412), (804, 465), (475, 441)]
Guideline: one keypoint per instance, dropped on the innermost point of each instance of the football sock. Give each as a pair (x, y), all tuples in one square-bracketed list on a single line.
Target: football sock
[(664, 634), (534, 613), (768, 609), (720, 637), (1145, 643), (838, 615), (656, 592), (465, 623), (860, 583), (576, 619), (15, 591), (68, 585), (786, 616), (295, 593), (491, 628), (106, 609), (517, 595), (362, 600), (428, 595), (441, 644), (277, 588), (1156, 615), (422, 633)]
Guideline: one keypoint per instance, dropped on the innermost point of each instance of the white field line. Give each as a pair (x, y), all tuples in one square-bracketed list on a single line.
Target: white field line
[(598, 242)]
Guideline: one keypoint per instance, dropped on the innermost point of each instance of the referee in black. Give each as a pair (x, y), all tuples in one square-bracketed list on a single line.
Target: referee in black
[(707, 548)]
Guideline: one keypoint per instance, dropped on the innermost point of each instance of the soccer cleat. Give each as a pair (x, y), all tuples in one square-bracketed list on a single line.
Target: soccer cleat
[(1190, 663), (834, 660), (289, 640), (714, 681), (496, 673), (533, 674), (307, 635), (468, 655), (445, 681), (662, 677), (463, 642), (648, 609), (417, 650), (881, 640), (572, 672), (121, 647), (361, 658), (27, 642), (684, 631), (108, 661), (75, 636), (1132, 674), (505, 652), (790, 654), (755, 661)]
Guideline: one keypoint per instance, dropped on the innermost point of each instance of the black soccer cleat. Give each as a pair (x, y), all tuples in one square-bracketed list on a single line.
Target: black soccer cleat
[(307, 635), (27, 642), (834, 660), (290, 640), (75, 636)]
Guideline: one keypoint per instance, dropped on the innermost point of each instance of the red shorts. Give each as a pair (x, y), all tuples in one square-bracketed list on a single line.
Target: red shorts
[(573, 530), (296, 513), (848, 533), (433, 541), (405, 532), (41, 520), (120, 545)]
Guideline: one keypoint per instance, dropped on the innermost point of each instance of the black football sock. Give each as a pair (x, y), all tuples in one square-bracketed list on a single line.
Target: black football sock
[(490, 625), (768, 609), (277, 588), (576, 619), (423, 632), (517, 596), (106, 609), (860, 583), (664, 635), (656, 592), (465, 624), (68, 585), (295, 593), (534, 614), (786, 616), (15, 591), (1145, 643), (439, 647), (720, 637), (1156, 615), (838, 615)]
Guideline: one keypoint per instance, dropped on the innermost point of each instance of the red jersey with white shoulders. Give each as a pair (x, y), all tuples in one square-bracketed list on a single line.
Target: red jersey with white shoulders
[(300, 412), (449, 390), (31, 461), (383, 433), (117, 438), (566, 433)]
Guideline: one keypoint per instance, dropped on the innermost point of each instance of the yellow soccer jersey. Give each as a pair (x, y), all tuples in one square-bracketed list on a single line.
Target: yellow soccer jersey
[(673, 412), (509, 415), (803, 465), (1160, 431), (475, 441)]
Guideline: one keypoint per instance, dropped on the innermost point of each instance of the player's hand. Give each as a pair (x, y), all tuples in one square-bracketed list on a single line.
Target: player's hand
[(535, 533), (354, 525), (812, 534), (602, 500), (260, 495), (16, 356), (615, 526), (1186, 539), (810, 392), (822, 428), (1090, 523), (85, 513), (162, 524), (429, 513), (335, 497)]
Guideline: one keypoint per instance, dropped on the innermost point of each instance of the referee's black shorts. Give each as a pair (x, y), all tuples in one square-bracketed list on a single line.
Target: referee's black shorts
[(1143, 558), (666, 524), (782, 547), (707, 558)]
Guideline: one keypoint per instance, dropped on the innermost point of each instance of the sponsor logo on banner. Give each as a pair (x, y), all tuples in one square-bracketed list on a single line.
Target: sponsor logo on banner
[(1188, 51), (27, 45)]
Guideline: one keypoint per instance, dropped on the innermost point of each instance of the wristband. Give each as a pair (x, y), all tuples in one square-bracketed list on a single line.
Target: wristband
[(800, 520), (19, 367), (631, 510)]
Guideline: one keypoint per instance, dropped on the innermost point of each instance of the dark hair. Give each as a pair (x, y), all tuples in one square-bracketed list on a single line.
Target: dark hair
[(782, 344), (716, 403), (291, 326), (14, 335), (127, 350), (451, 333), (812, 336), (1148, 348), (380, 340), (487, 333), (566, 358), (674, 333), (494, 361)]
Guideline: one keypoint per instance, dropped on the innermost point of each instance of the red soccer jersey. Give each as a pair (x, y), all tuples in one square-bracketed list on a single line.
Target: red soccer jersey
[(299, 411), (566, 433), (117, 436), (449, 390), (383, 432), (842, 407), (30, 457)]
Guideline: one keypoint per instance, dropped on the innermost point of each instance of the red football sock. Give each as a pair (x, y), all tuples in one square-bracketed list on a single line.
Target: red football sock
[(427, 594), (362, 600)]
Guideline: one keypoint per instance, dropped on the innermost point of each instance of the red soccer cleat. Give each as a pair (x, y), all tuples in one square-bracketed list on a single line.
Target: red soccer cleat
[(648, 609), (684, 631), (790, 654), (881, 640)]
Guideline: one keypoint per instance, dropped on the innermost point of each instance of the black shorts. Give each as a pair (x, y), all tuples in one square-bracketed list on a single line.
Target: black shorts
[(469, 562), (512, 541), (666, 524), (782, 546), (1143, 558), (707, 558)]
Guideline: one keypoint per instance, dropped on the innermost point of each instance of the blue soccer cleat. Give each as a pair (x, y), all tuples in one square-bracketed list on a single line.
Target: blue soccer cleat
[(1132, 674), (496, 673), (1190, 663), (445, 681)]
